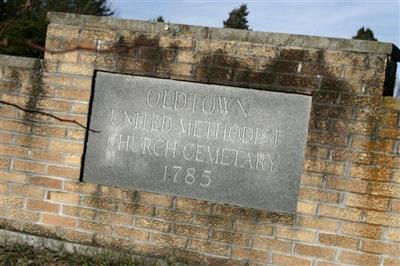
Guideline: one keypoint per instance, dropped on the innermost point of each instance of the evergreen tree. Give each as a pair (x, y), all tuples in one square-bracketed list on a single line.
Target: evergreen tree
[(365, 34), (26, 20), (160, 19), (238, 18), (157, 19)]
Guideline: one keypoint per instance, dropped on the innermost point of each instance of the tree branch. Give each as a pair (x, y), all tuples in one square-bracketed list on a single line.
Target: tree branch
[(27, 5), (49, 115)]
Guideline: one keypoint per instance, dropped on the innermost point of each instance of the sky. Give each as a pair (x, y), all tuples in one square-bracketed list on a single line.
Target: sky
[(328, 18)]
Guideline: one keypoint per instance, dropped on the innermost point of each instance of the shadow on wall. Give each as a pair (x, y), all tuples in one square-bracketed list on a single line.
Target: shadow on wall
[(145, 56), (36, 92)]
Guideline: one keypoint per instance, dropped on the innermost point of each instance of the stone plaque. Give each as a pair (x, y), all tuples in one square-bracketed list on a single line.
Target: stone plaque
[(225, 144)]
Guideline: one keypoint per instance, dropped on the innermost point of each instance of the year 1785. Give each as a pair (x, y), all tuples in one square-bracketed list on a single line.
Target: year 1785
[(189, 175)]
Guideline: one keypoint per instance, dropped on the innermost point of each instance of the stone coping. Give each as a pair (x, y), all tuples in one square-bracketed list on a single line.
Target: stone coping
[(270, 38), (39, 242)]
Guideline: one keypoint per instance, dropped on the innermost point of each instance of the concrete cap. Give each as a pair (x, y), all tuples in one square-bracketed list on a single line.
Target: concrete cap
[(270, 38)]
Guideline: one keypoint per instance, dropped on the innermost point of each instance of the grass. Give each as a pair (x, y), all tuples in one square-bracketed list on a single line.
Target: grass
[(26, 255)]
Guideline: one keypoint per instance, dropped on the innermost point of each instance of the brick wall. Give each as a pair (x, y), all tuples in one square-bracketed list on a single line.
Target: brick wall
[(349, 204)]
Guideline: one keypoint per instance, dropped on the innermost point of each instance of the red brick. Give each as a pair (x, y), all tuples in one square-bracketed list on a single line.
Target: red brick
[(358, 258), (351, 184), (46, 182), (45, 156), (28, 191), (82, 188), (170, 240), (192, 205), (117, 193), (55, 132), (367, 202), (209, 247), (230, 237), (113, 218), (304, 207), (327, 138), (100, 203), (338, 240), (152, 224), (298, 81), (32, 141), (213, 221), (81, 213), (352, 156), (389, 133), (76, 69), (278, 259), (384, 189), (15, 126), (393, 234), (233, 211), (131, 233), (381, 218), (30, 166), (136, 209), (355, 127), (173, 215), (76, 236), (311, 179), (247, 226), (192, 231), (95, 227), (11, 200), (295, 234), (66, 146), (8, 111), (319, 195), (55, 105), (6, 137), (14, 177), (349, 214), (58, 220), (20, 215), (63, 197), (315, 251), (380, 247), (317, 152), (3, 188), (255, 49), (69, 32), (73, 94), (324, 263), (368, 144), (274, 218), (154, 199), (37, 205), (371, 172), (66, 172), (361, 229), (217, 46), (72, 159), (361, 101), (14, 151), (324, 167), (395, 206), (248, 253), (391, 262), (322, 224)]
